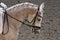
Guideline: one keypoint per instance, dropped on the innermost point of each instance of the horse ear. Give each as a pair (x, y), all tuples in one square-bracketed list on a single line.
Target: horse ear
[(41, 9)]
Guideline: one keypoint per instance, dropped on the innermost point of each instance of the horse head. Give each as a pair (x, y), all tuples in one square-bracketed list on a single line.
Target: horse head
[(38, 14)]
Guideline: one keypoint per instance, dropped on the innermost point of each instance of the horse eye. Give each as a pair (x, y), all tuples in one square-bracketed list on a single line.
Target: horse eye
[(38, 19)]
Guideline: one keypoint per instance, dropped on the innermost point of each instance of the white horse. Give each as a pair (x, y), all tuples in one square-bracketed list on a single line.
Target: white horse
[(20, 12)]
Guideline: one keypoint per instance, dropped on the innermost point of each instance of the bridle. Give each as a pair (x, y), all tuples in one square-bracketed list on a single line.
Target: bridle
[(6, 19)]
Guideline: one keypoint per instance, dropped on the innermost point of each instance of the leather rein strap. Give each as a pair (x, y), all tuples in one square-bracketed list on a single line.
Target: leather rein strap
[(6, 18)]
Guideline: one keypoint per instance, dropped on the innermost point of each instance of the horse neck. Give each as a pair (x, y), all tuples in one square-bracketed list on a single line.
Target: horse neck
[(20, 15)]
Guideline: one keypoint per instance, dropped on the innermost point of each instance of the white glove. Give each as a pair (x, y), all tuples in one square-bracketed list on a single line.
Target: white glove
[(3, 5)]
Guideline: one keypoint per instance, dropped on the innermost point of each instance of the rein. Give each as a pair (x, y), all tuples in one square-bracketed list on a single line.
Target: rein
[(6, 18)]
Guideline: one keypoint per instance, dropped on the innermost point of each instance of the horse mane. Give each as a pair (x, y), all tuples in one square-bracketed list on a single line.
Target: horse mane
[(22, 6)]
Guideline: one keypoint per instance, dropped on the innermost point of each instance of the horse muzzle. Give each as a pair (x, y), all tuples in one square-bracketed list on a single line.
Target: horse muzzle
[(36, 31)]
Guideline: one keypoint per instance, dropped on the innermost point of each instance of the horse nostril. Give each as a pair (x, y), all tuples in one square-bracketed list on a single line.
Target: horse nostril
[(36, 31)]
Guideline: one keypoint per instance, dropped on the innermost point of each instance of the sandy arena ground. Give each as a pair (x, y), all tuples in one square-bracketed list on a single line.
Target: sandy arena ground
[(50, 24)]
